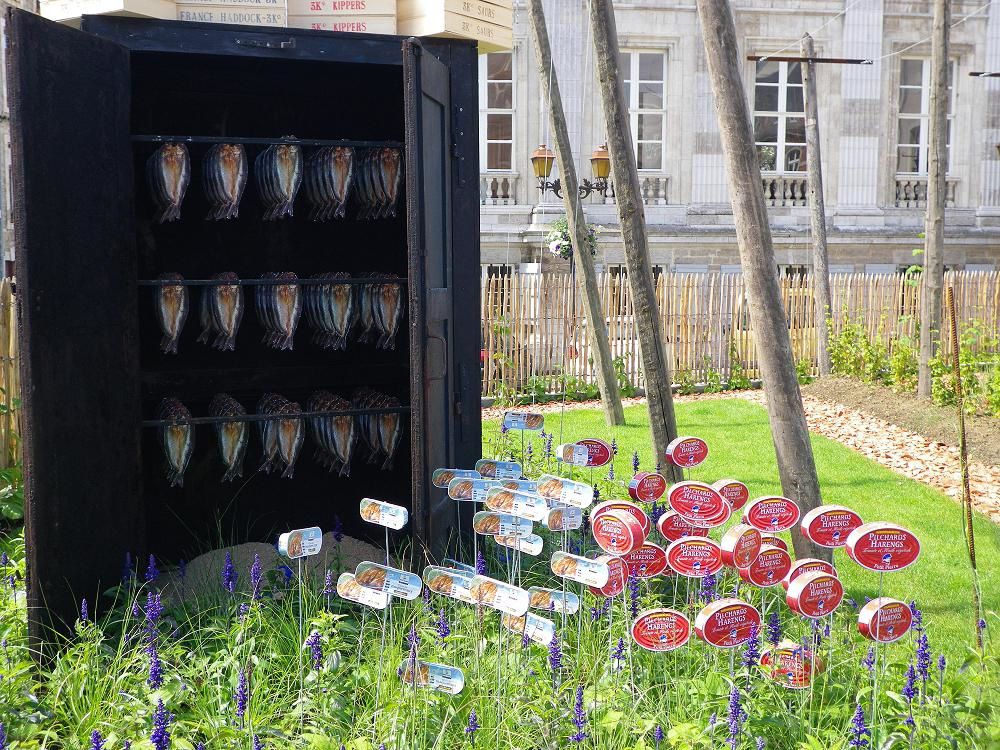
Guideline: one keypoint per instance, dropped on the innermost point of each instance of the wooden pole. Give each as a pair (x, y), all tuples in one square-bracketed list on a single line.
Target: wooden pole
[(937, 157), (817, 210), (586, 274), (631, 217), (796, 465)]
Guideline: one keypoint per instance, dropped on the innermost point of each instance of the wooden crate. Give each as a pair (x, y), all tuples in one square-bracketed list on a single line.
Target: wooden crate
[(341, 8), (444, 23), (356, 24), (69, 11), (499, 12), (259, 14)]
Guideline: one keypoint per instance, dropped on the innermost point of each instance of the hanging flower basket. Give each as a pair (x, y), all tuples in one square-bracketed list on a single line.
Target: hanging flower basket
[(560, 242)]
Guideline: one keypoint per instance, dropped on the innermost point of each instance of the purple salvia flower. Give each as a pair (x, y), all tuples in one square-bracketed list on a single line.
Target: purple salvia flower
[(127, 745), (635, 467), (315, 644), (611, 472), (229, 574), (136, 611), (658, 732), (579, 718), (909, 689), (182, 570), (618, 654), (918, 618), (736, 716), (859, 730), (656, 511), (614, 446), (338, 530), (529, 452), (3, 737), (425, 593), (200, 746), (852, 603), (773, 628), (96, 741), (712, 720), (633, 595), (328, 587), (708, 591), (548, 445), (751, 653), (504, 429), (941, 666), (155, 678), (154, 610), (287, 573), (256, 576), (869, 661), (472, 727), (597, 494), (826, 629), (980, 624), (555, 654), (412, 638), (161, 727), (242, 696), (480, 563), (443, 628), (242, 611), (258, 744), (152, 573), (760, 743), (84, 612), (4, 560), (923, 660)]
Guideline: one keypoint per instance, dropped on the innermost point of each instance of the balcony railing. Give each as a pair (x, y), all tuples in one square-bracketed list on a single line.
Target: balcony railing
[(785, 190), (653, 188), (498, 188), (911, 191)]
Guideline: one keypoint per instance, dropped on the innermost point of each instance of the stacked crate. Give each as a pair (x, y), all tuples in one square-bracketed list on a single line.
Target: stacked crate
[(247, 12), (365, 16), (69, 11), (487, 21)]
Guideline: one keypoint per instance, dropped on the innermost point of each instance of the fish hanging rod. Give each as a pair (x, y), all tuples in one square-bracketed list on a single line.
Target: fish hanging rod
[(274, 282), (261, 141), (269, 417)]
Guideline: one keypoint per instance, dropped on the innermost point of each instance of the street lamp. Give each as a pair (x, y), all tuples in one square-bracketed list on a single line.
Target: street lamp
[(542, 160)]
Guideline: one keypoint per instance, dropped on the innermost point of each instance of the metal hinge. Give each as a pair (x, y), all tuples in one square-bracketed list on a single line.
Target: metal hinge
[(267, 43)]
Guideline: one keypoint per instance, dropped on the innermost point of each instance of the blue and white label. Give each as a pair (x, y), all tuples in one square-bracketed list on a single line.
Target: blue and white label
[(301, 543), (348, 588), (552, 600), (501, 596), (521, 420), (392, 581), (471, 490), (536, 629), (498, 469), (529, 545), (451, 582), (565, 491), (523, 504), (438, 677), (564, 518), (573, 453), (489, 523), (442, 477), (589, 572), (384, 514)]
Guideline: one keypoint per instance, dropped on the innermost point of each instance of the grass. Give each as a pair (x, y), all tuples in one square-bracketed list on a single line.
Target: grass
[(740, 445)]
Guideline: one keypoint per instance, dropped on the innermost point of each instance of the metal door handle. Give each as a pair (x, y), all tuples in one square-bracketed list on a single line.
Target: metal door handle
[(267, 43)]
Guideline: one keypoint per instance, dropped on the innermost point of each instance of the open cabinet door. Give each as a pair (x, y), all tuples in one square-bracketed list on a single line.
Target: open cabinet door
[(429, 235), (76, 298)]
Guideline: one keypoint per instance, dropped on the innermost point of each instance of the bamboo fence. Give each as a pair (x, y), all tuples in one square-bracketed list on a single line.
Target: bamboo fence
[(10, 386), (534, 328)]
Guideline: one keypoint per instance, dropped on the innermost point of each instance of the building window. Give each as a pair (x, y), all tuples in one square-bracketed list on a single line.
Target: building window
[(914, 115), (645, 76), (496, 110), (779, 123)]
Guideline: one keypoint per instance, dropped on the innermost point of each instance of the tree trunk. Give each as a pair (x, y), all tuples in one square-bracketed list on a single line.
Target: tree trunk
[(937, 167), (631, 216), (587, 278), (817, 210), (796, 465)]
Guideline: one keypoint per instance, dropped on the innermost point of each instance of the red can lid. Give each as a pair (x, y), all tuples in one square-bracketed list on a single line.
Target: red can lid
[(815, 594), (740, 545), (695, 556), (830, 525), (884, 620), (768, 569), (617, 575), (791, 666), (883, 547), (661, 630), (599, 452), (617, 532), (807, 565), (647, 561), (736, 493), (631, 508), (647, 486), (727, 623), (686, 452), (771, 513), (697, 502), (672, 526), (774, 541)]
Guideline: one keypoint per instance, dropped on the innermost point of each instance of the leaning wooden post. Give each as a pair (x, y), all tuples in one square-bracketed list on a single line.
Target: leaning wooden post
[(587, 275), (817, 210), (937, 167), (796, 465), (631, 217)]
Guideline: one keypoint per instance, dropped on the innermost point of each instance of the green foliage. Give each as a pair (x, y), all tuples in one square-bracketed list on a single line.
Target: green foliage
[(560, 241), (803, 371), (973, 368), (903, 365), (854, 355), (993, 390), (713, 378), (738, 378), (685, 383), (625, 387)]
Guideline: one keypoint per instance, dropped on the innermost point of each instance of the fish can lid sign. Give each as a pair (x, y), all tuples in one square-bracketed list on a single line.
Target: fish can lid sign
[(487, 467), (531, 626), (551, 600), (442, 477), (771, 513), (564, 518), (661, 630), (440, 677), (565, 491), (830, 525), (384, 514), (301, 543), (501, 596), (686, 452), (530, 544), (884, 620), (769, 568), (617, 576), (647, 561), (698, 503), (740, 546), (807, 565), (791, 667), (579, 569), (695, 557), (617, 532), (451, 582), (727, 623), (883, 547), (735, 492), (815, 594), (599, 452), (647, 486), (774, 541), (350, 589), (519, 420), (623, 505), (573, 454), (672, 526)]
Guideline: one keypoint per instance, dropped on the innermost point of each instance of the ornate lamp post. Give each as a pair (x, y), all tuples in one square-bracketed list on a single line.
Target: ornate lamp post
[(542, 160)]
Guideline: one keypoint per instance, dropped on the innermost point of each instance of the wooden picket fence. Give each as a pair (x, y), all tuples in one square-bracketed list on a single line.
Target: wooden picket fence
[(534, 327), (10, 379)]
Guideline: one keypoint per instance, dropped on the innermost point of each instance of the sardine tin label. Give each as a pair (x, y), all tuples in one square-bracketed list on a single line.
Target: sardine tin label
[(565, 491), (301, 543), (815, 595), (617, 532), (501, 596), (771, 513), (686, 452), (564, 518), (790, 667), (579, 569), (531, 626), (552, 600), (830, 525), (647, 486), (490, 523), (774, 541), (573, 454), (695, 557), (519, 485), (624, 505), (443, 477), (438, 677), (520, 420), (727, 623), (384, 514), (459, 565), (454, 583), (883, 547), (393, 581), (698, 503), (672, 526), (617, 577), (599, 453), (348, 588), (661, 630), (498, 469), (734, 491), (529, 545), (470, 489), (523, 504), (884, 620), (807, 565), (770, 567), (647, 561), (740, 545)]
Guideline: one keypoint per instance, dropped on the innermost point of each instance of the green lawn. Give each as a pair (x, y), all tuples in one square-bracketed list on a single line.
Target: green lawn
[(740, 446)]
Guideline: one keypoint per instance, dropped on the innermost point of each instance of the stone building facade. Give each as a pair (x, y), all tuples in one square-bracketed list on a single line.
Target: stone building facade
[(873, 124)]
